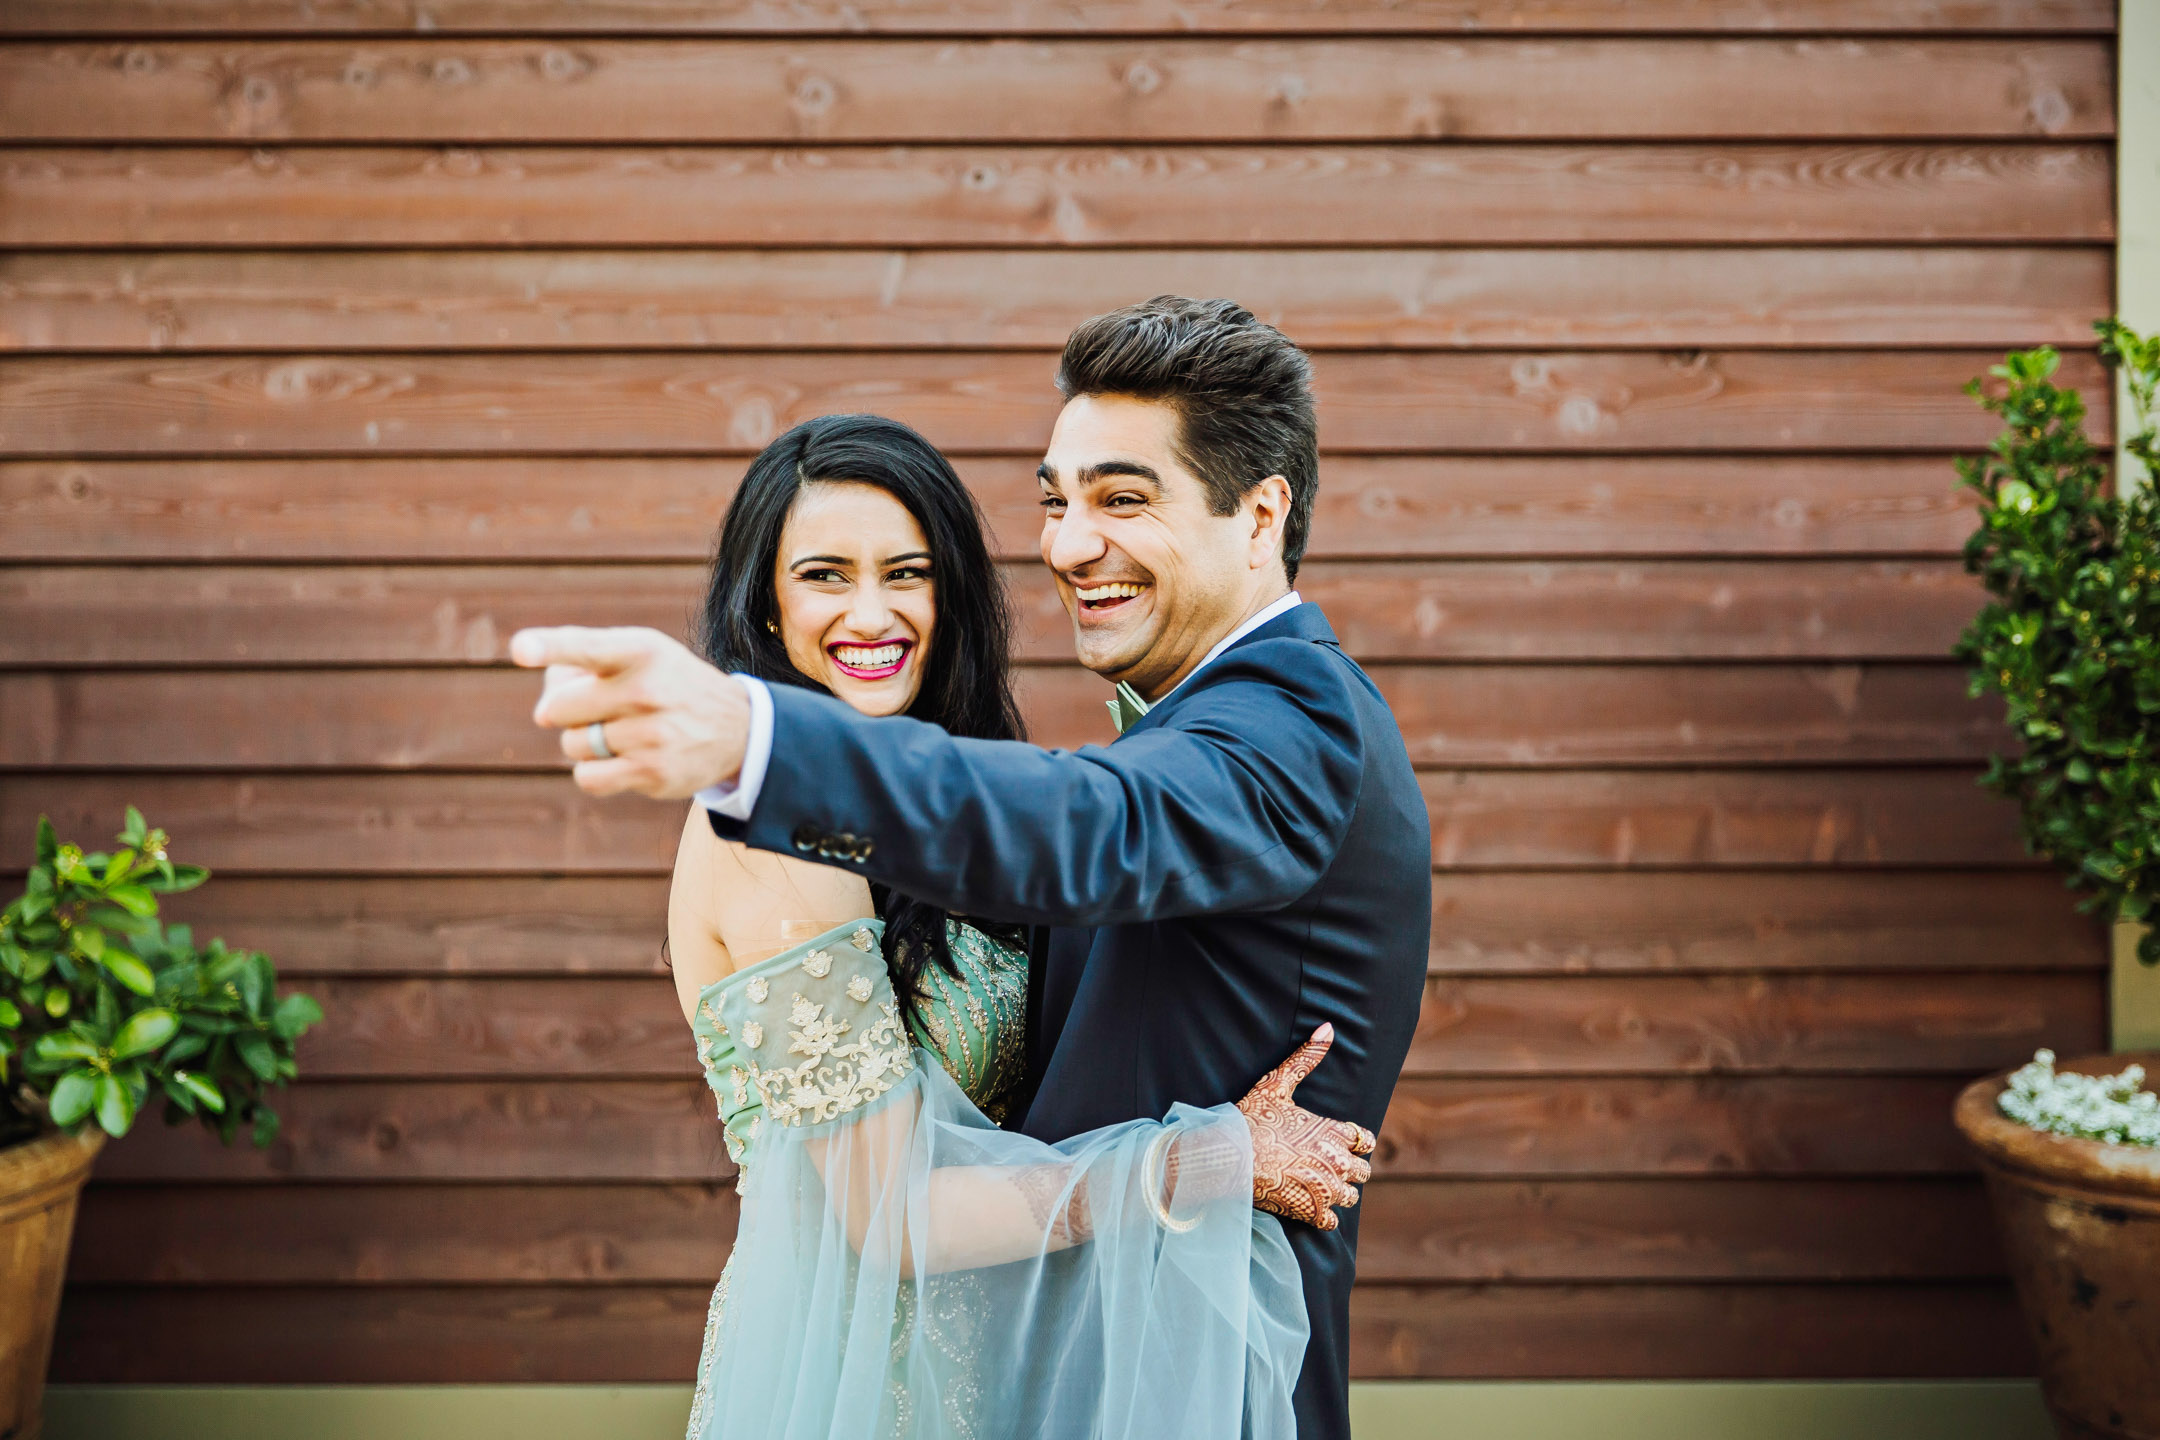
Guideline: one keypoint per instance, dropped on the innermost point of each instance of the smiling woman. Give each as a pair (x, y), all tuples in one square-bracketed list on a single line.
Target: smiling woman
[(853, 561), (854, 584), (852, 535)]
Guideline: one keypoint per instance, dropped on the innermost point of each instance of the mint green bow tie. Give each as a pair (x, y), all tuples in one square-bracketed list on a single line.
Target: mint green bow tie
[(1126, 707)]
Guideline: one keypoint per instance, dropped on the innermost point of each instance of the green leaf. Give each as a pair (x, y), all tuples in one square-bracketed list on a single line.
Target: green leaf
[(135, 830), (144, 1031), (295, 1013), (179, 1097), (178, 878), (126, 922), (135, 899), (116, 868), (57, 1002), (130, 972), (203, 1089), (88, 941), (256, 981), (73, 1097), (186, 1048), (61, 1045), (10, 1017), (48, 847), (115, 1105), (35, 964), (255, 1053), (265, 1127)]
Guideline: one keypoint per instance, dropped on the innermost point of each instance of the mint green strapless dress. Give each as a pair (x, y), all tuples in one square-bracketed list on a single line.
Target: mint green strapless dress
[(904, 1268)]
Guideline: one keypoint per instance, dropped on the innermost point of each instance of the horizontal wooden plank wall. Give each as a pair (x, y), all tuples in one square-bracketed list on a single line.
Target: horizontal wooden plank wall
[(339, 338)]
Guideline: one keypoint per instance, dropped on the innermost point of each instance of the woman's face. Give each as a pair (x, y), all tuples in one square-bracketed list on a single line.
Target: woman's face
[(857, 600)]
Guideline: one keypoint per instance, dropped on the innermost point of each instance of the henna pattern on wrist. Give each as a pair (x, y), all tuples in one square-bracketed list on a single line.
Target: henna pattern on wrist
[(1057, 1200)]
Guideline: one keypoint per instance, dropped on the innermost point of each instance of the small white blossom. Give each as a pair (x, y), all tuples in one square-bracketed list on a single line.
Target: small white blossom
[(2110, 1108)]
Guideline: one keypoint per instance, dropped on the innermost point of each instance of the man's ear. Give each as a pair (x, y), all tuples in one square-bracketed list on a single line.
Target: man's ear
[(1268, 506)]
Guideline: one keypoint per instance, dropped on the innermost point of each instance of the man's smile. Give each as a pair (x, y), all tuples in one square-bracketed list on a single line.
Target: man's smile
[(1112, 595)]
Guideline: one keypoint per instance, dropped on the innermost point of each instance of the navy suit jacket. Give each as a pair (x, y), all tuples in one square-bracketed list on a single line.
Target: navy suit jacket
[(1251, 858)]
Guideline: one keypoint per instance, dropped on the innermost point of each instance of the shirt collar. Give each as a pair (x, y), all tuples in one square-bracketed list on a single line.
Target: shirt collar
[(1287, 603)]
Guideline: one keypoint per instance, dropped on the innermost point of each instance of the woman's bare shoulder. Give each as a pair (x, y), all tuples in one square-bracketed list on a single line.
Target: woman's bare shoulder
[(758, 903)]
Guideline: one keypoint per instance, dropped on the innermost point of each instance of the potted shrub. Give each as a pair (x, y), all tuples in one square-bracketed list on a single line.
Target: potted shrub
[(104, 1010), (2070, 640)]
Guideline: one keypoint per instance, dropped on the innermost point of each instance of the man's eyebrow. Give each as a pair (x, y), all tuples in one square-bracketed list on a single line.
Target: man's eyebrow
[(1122, 467), (1089, 474)]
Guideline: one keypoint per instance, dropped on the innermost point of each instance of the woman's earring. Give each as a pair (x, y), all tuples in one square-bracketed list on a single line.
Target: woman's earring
[(773, 625)]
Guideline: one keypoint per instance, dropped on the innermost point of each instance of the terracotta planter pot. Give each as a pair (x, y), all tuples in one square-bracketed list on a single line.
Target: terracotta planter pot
[(39, 1183), (2080, 1225)]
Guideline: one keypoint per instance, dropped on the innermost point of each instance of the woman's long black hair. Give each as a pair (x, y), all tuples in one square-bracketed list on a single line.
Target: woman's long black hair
[(967, 681)]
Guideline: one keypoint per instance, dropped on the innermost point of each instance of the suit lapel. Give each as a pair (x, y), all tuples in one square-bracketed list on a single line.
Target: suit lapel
[(1300, 622)]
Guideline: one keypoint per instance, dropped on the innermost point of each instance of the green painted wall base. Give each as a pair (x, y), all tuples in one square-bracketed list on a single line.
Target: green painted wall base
[(1408, 1410)]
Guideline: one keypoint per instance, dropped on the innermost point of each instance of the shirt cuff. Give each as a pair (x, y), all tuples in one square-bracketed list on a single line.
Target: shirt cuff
[(736, 798)]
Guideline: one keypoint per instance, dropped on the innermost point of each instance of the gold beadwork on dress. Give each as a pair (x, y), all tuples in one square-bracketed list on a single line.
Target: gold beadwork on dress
[(973, 1024), (849, 1047), (701, 1398), (836, 1074)]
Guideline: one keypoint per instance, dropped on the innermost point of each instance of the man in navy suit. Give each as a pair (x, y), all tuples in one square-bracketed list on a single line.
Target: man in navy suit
[(1249, 860)]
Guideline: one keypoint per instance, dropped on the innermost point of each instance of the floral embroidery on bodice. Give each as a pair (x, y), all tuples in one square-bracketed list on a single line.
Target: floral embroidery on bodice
[(816, 1031)]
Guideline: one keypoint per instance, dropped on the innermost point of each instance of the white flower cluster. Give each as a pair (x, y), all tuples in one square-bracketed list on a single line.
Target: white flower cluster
[(2091, 1107)]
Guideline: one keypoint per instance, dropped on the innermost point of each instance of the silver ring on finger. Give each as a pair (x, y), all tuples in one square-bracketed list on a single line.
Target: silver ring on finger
[(596, 737)]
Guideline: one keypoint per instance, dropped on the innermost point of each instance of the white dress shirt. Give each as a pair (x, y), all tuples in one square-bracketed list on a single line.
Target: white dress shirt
[(737, 798)]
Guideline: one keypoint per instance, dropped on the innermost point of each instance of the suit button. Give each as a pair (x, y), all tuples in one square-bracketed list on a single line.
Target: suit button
[(806, 837)]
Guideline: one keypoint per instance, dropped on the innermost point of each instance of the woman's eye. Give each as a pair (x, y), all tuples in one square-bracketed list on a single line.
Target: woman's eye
[(821, 577), (909, 573)]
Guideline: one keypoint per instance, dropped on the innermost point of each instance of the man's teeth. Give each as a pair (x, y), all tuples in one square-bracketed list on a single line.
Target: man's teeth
[(1122, 590), (858, 657)]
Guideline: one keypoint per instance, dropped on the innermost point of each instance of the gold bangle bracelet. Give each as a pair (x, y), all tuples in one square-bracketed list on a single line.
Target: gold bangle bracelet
[(1154, 1175)]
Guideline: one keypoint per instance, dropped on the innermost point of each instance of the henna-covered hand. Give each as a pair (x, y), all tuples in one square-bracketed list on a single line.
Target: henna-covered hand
[(1305, 1166)]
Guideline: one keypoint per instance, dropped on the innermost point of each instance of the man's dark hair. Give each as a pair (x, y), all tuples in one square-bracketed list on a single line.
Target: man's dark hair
[(1242, 391)]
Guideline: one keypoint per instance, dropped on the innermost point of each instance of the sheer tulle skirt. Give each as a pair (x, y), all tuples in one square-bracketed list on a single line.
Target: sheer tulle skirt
[(857, 1305)]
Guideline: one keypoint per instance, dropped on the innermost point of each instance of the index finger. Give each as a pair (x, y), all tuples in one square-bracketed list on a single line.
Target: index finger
[(602, 651)]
